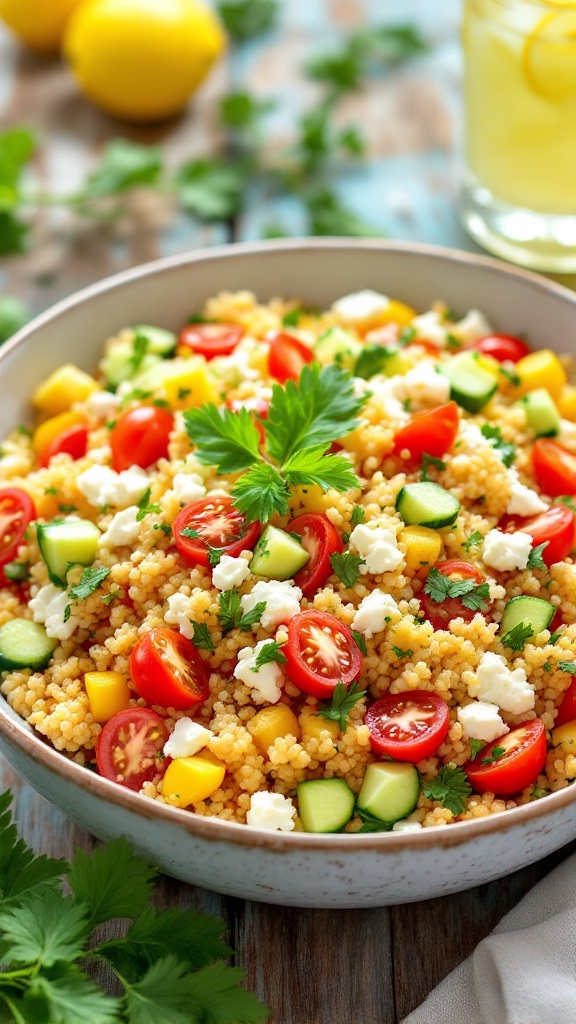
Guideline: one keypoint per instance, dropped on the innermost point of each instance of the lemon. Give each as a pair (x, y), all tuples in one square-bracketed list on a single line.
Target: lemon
[(549, 55), (141, 60), (38, 23)]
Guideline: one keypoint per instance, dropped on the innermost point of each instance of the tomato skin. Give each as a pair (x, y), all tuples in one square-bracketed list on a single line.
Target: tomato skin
[(567, 709), (518, 767), (408, 739), (140, 437), (73, 442), (321, 539), (557, 526), (219, 525), (441, 614), (503, 347), (16, 511), (554, 467), (287, 356), (342, 659), (211, 339), (166, 669), (140, 733), (433, 432)]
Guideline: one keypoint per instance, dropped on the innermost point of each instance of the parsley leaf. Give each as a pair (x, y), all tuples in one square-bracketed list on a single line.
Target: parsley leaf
[(495, 754), (214, 555), (430, 460), (382, 45), (346, 566), (359, 641), (202, 637), (270, 652), (123, 165), (313, 466), (475, 747), (473, 595), (231, 616), (260, 492), (112, 882), (244, 19), (212, 189), (506, 449), (372, 360), (343, 700), (242, 111), (554, 637), (535, 560), (358, 515), (226, 439), (450, 788), (329, 216), (517, 636), (90, 580), (372, 824), (568, 666), (17, 571), (402, 654), (473, 540), (20, 870), (45, 929)]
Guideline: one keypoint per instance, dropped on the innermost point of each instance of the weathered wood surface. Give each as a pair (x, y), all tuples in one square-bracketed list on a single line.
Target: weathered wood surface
[(310, 967)]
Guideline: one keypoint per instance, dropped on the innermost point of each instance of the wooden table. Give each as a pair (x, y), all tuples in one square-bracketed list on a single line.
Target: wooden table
[(310, 967)]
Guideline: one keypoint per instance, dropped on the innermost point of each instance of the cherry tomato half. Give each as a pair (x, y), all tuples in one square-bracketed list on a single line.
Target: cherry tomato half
[(167, 669), (567, 709), (503, 347), (212, 523), (433, 432), (320, 539), (408, 726), (320, 653), (209, 340), (140, 437), (440, 614), (557, 526), (129, 747), (287, 356), (511, 762), (16, 511), (554, 467), (72, 441)]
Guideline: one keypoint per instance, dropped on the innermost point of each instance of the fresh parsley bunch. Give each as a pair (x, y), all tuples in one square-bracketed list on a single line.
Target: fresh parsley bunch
[(167, 964), (304, 418)]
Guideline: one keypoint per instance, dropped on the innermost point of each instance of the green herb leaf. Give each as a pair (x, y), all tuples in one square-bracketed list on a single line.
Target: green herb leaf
[(314, 466), (202, 636), (369, 48), (535, 560), (402, 654), (510, 376), (63, 993), (44, 929), (230, 615), (450, 788), (358, 516), (21, 872), (473, 595), (517, 636), (568, 666), (214, 555), (123, 165), (372, 360), (359, 641), (270, 652), (554, 637), (372, 824), (226, 439), (329, 216), (13, 313), (260, 493), (430, 460), (495, 754), (506, 449), (474, 540), (343, 700), (245, 19), (90, 580), (243, 111), (292, 317), (475, 747), (212, 189), (112, 882), (346, 566), (18, 572)]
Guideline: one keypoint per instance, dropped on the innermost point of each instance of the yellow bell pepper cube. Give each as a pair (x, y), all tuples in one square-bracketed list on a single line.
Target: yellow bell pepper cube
[(423, 546), (66, 385), (566, 402), (270, 724), (540, 369), (50, 429), (186, 383), (565, 734), (313, 725), (188, 780), (108, 693)]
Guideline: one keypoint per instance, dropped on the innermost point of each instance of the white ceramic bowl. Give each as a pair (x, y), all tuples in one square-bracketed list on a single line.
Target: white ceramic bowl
[(289, 868)]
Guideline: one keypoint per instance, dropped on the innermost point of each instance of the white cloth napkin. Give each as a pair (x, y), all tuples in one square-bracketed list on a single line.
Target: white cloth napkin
[(524, 972)]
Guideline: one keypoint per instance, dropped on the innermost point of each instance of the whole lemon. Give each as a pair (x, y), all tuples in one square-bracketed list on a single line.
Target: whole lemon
[(38, 23), (141, 60)]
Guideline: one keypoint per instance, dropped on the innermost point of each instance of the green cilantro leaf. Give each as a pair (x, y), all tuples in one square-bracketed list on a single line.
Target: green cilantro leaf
[(475, 747), (260, 493), (230, 615), (112, 882), (202, 637), (380, 46), (270, 652), (516, 637), (474, 540), (568, 666), (123, 165), (90, 580), (506, 449), (535, 560), (569, 500), (372, 824), (359, 641), (313, 466), (226, 439), (430, 460), (45, 928), (343, 700), (244, 19), (211, 188), (450, 788), (346, 566)]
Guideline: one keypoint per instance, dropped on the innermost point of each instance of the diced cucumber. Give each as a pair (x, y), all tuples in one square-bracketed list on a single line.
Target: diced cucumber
[(66, 543), (325, 805), (386, 359), (542, 415), (278, 555), (119, 363), (160, 341), (24, 644), (427, 504), (337, 346), (472, 385), (389, 790), (532, 611)]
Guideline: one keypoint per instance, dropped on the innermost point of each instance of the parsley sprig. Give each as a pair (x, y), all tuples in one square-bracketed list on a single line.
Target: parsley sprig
[(346, 566), (304, 417), (450, 787), (535, 560), (516, 637), (89, 581), (231, 616), (343, 700), (270, 652), (472, 595), (505, 449), (167, 965)]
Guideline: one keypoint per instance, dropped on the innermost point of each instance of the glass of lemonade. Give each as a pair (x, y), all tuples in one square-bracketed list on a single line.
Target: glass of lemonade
[(519, 193)]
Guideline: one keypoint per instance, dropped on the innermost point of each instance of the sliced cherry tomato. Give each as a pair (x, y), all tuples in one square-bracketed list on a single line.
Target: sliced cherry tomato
[(567, 709), (287, 356), (554, 467), (257, 406), (408, 726), (140, 437), (321, 539), (72, 441), (16, 511), (320, 653), (510, 763), (210, 340), (212, 523), (557, 526), (440, 614), (129, 747), (433, 432), (503, 347), (167, 669)]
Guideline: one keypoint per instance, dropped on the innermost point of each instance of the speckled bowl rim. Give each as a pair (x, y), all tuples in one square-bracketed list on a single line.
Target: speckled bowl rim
[(213, 829)]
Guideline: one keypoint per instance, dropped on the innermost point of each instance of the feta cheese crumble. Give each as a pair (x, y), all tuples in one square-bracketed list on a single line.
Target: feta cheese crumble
[(374, 612), (497, 684), (282, 600), (507, 551), (360, 306), (101, 485), (423, 384), (123, 529), (523, 500), (272, 811), (230, 572), (49, 608), (266, 680), (188, 487), (481, 721), (180, 613), (378, 548), (186, 739)]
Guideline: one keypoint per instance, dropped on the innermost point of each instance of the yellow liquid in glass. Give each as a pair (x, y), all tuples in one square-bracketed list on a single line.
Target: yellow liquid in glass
[(520, 97)]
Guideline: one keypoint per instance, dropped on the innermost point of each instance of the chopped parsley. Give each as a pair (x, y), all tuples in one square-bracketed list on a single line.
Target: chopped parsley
[(472, 595), (568, 666), (402, 654), (516, 637), (475, 747), (535, 560), (495, 754), (506, 449), (292, 317), (90, 580), (346, 566), (450, 788), (214, 555), (189, 531), (430, 460), (343, 700), (231, 615), (372, 824), (270, 652), (554, 637), (17, 571), (474, 540), (358, 516), (359, 641), (202, 637)]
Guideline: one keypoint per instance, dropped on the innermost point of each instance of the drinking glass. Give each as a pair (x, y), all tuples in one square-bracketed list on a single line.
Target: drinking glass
[(519, 192)]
